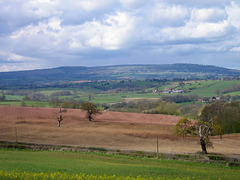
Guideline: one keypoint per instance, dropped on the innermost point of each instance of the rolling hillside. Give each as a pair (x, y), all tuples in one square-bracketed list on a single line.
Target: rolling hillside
[(65, 74)]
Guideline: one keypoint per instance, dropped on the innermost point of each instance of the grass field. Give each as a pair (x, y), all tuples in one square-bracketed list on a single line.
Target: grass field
[(28, 103), (234, 93), (100, 164), (14, 97), (208, 88), (203, 88), (14, 103)]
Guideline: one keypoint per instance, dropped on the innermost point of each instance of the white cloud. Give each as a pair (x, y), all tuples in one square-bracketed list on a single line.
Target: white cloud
[(41, 31), (16, 62), (75, 8), (12, 57), (198, 4), (208, 15), (17, 67), (236, 49), (204, 30), (55, 24), (41, 8), (108, 34), (166, 15), (191, 31), (233, 14)]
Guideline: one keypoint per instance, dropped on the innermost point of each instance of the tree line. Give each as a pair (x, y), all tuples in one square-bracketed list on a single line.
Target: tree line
[(227, 115), (180, 98)]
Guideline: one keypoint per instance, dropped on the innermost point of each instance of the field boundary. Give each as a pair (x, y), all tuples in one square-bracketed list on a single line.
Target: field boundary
[(212, 158)]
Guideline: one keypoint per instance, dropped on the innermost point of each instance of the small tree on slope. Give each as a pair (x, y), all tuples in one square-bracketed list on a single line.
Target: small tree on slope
[(91, 110)]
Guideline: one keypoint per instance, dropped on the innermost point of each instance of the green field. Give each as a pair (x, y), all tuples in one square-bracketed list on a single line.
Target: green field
[(14, 97), (237, 93), (28, 104), (100, 164), (16, 103), (116, 91), (208, 88)]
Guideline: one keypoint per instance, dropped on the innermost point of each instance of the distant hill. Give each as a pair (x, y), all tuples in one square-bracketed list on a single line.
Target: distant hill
[(63, 74)]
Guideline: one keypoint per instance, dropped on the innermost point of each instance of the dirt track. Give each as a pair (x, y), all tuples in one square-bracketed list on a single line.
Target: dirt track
[(113, 130)]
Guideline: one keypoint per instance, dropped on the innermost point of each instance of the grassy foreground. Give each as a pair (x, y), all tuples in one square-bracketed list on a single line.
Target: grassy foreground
[(25, 164)]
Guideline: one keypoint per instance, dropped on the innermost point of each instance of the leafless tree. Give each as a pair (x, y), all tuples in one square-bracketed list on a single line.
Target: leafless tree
[(60, 115)]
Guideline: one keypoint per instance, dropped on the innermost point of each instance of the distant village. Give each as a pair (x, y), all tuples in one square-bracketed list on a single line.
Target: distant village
[(172, 90), (169, 91), (176, 91)]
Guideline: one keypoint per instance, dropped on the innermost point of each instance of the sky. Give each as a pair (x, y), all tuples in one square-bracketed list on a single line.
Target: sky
[(37, 34)]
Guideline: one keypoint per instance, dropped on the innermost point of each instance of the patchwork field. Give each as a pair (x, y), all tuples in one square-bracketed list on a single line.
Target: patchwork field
[(112, 130)]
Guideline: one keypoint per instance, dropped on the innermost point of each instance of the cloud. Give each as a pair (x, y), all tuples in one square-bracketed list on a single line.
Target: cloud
[(161, 14), (132, 4), (110, 33), (78, 12), (48, 33), (208, 15), (37, 40), (236, 49), (41, 8), (198, 4), (12, 62), (205, 31), (233, 14)]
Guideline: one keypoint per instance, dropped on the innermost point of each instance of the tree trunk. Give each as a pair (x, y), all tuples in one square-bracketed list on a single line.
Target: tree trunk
[(90, 117), (203, 145), (59, 123), (60, 118)]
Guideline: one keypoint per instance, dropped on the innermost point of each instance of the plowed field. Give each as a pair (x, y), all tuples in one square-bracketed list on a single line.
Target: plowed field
[(112, 130)]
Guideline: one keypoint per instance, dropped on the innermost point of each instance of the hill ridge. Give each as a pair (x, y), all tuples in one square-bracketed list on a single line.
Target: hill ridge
[(114, 72)]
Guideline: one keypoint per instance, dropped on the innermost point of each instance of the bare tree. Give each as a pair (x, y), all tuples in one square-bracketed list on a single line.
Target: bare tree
[(60, 115)]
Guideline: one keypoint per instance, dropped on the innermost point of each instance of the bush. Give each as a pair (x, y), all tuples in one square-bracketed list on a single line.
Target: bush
[(97, 149), (71, 104), (167, 108)]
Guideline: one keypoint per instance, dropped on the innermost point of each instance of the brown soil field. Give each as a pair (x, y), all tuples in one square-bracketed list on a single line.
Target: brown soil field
[(127, 100), (111, 130)]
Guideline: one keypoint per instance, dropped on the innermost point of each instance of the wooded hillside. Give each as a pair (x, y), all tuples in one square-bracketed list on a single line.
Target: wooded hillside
[(65, 74)]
